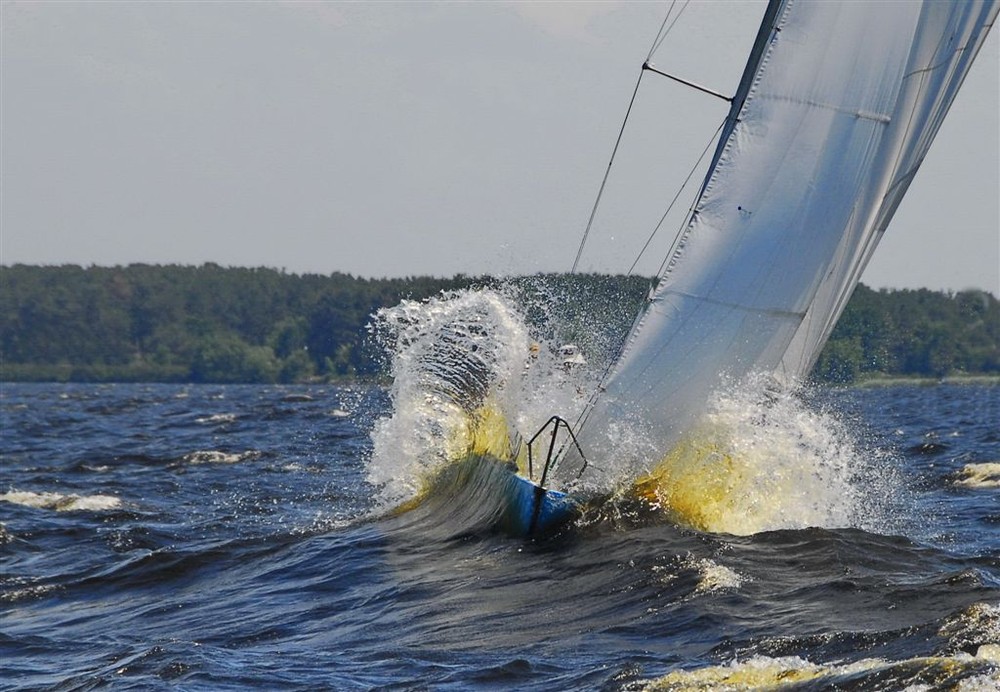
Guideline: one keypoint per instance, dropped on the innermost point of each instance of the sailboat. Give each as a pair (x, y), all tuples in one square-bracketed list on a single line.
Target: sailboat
[(835, 111)]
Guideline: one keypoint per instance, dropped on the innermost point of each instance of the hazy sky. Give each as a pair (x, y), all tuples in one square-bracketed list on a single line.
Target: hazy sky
[(391, 139)]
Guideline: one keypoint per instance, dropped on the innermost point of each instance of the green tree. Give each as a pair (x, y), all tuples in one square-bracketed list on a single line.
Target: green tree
[(225, 358)]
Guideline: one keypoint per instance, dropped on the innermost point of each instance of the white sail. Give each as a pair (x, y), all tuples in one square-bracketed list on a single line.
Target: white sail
[(835, 112)]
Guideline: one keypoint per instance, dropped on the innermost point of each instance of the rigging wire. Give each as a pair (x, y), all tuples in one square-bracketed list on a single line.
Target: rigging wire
[(662, 35), (592, 399), (670, 207), (665, 29), (607, 172), (657, 42)]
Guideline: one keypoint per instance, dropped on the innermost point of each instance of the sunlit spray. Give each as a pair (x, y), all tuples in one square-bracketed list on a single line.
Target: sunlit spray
[(450, 354), (473, 374), (761, 459), (468, 365)]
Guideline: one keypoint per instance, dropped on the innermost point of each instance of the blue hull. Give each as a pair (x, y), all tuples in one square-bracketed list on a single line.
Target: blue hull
[(485, 493), (533, 510)]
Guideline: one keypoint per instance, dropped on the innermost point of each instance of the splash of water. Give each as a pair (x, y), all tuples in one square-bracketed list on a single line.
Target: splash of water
[(471, 373), (449, 354), (761, 459)]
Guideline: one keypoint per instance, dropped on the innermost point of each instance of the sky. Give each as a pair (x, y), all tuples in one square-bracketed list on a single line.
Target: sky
[(399, 139)]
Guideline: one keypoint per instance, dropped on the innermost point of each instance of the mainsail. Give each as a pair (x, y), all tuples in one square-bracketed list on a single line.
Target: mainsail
[(836, 109)]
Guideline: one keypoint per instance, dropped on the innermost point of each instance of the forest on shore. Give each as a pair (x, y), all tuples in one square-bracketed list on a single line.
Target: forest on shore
[(151, 323)]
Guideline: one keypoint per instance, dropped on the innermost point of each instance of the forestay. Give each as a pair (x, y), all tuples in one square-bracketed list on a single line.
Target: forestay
[(834, 114)]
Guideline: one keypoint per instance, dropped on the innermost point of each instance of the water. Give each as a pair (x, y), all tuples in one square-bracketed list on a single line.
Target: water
[(219, 537)]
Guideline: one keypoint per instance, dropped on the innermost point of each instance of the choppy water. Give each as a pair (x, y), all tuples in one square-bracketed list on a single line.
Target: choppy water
[(218, 537)]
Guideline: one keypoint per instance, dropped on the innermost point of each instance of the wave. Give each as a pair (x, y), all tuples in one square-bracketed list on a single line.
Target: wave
[(968, 659), (212, 456), (985, 475), (62, 503), (216, 418), (962, 671)]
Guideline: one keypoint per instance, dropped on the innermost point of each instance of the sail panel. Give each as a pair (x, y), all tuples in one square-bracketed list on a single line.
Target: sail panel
[(838, 113), (944, 45)]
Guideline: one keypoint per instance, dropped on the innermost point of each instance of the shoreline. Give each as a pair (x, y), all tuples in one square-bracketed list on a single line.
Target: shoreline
[(66, 377), (921, 380)]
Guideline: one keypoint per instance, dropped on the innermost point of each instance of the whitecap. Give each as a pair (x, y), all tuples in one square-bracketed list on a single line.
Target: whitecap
[(216, 418), (986, 475), (715, 577), (212, 456), (28, 592), (977, 624), (62, 503), (765, 672)]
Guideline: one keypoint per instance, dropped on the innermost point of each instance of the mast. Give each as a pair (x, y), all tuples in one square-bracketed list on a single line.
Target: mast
[(768, 26)]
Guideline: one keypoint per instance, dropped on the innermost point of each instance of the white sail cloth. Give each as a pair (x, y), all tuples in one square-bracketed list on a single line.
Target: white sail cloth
[(842, 102)]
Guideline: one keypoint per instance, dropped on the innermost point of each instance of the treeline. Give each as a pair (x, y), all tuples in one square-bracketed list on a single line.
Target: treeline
[(215, 324), (918, 333)]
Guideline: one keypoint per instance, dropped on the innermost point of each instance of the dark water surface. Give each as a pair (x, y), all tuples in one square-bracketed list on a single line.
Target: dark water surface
[(218, 537)]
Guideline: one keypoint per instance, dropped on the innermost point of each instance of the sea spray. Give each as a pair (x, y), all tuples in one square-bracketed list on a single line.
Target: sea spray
[(762, 459), (520, 352), (449, 354)]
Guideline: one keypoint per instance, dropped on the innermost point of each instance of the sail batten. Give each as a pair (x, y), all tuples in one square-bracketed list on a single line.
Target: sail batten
[(835, 111)]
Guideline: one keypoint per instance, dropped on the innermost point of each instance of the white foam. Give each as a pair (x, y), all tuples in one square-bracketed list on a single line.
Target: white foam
[(761, 460), (27, 592), (712, 576), (989, 652), (980, 622), (216, 418), (796, 467), (985, 475), (452, 353), (212, 456), (448, 353), (62, 503), (716, 577), (765, 672)]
